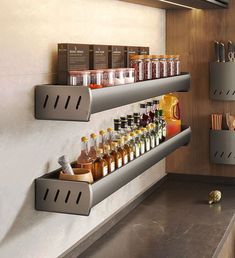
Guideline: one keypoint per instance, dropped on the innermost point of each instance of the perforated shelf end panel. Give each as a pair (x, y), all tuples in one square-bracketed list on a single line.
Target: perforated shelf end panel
[(222, 147), (222, 81), (54, 102)]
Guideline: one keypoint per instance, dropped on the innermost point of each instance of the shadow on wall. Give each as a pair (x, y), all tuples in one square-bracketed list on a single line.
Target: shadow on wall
[(26, 218)]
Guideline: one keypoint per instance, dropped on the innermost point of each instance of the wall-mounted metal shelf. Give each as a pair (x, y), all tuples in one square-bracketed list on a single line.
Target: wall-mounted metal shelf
[(222, 147), (222, 81), (55, 195), (74, 103)]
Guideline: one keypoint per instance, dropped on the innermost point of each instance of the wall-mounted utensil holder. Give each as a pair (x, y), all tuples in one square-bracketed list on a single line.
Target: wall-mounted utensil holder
[(75, 103), (222, 81), (222, 147), (74, 197)]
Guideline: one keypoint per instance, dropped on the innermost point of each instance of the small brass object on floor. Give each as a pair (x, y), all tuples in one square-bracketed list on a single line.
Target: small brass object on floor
[(214, 196)]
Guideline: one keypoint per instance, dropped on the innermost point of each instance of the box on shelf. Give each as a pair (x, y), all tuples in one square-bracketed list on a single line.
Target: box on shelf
[(130, 51), (71, 57), (116, 56), (143, 50), (98, 57)]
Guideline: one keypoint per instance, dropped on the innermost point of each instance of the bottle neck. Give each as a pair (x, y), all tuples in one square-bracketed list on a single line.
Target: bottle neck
[(93, 143), (116, 127), (84, 147), (142, 111)]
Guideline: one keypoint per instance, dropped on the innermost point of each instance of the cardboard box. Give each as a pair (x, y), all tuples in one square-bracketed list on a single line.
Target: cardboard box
[(99, 57), (130, 51), (116, 56), (143, 50)]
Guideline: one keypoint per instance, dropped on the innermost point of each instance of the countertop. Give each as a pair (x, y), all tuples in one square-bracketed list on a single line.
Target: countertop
[(175, 221)]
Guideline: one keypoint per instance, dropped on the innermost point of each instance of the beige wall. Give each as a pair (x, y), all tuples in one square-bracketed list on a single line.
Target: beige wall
[(30, 30)]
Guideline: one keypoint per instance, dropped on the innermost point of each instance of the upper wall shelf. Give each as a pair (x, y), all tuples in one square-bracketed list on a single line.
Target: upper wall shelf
[(182, 4), (76, 103)]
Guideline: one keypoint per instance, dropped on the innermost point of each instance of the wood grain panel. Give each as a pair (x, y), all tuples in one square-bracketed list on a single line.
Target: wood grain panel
[(191, 34)]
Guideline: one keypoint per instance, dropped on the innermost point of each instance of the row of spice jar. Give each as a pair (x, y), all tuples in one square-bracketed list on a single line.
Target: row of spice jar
[(102, 78), (149, 67)]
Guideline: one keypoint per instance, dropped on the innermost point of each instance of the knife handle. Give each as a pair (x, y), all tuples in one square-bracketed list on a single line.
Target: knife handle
[(217, 56), (222, 52)]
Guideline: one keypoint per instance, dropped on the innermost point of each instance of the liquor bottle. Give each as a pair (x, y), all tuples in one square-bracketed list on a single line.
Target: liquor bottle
[(102, 139), (84, 160), (156, 134), (136, 117), (144, 118), (110, 136), (93, 146), (130, 123), (100, 166), (163, 124), (136, 143), (66, 167), (158, 126), (141, 141), (116, 154), (122, 150), (109, 158), (151, 134), (150, 111), (146, 138), (130, 148), (123, 126), (117, 131)]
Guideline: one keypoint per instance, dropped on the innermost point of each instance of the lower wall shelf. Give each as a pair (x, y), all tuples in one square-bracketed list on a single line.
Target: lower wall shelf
[(74, 197), (222, 147)]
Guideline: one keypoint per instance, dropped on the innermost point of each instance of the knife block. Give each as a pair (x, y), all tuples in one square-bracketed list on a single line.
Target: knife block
[(222, 81)]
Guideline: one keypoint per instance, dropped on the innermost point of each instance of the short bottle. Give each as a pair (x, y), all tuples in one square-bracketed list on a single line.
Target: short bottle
[(122, 150), (158, 126), (102, 139), (136, 143), (100, 166), (84, 160), (116, 154), (130, 148), (141, 141), (151, 135), (163, 124), (146, 138), (109, 158), (93, 146)]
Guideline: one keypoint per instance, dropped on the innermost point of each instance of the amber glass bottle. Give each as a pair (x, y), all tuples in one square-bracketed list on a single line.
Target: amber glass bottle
[(122, 150), (84, 160), (116, 154), (109, 158), (93, 146), (102, 139), (100, 166), (129, 148)]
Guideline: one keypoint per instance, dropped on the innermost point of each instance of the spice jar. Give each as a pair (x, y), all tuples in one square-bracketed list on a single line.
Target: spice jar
[(147, 67), (163, 66), (155, 66), (170, 65), (119, 76), (137, 62), (83, 78), (96, 79), (130, 75), (177, 64), (108, 78), (73, 78)]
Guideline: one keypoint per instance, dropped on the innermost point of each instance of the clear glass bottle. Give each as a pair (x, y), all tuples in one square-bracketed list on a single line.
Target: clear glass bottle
[(130, 123), (108, 78), (84, 78), (129, 148), (136, 117), (109, 158), (146, 138), (116, 154), (158, 126), (141, 141), (102, 139), (84, 160), (93, 146), (151, 134), (96, 79), (73, 78), (177, 64), (163, 124), (136, 143), (123, 126), (110, 136), (170, 66), (144, 118), (155, 133), (117, 131), (100, 166), (122, 150)]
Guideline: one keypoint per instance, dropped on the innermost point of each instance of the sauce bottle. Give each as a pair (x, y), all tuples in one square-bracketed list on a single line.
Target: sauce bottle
[(93, 146), (109, 158), (84, 160), (122, 150), (151, 134), (100, 166), (116, 154)]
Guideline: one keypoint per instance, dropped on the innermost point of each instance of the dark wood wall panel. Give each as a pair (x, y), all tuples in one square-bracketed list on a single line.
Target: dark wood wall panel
[(191, 34)]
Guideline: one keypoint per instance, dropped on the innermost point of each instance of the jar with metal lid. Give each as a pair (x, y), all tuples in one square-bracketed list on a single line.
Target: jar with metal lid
[(137, 62), (119, 76), (177, 64), (96, 79), (83, 78), (163, 66), (73, 78), (130, 75), (147, 67), (170, 65), (109, 76), (155, 66)]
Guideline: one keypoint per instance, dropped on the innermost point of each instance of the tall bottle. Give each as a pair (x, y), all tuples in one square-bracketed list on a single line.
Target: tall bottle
[(158, 126), (123, 126), (156, 134), (93, 146), (150, 111), (109, 158), (146, 138), (136, 143), (144, 117), (122, 150), (84, 160), (150, 129), (100, 166), (136, 117), (163, 124), (117, 131), (130, 123), (130, 148), (102, 139), (116, 154), (141, 141), (110, 136)]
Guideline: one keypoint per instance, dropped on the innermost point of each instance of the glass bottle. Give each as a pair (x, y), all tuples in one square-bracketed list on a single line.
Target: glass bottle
[(109, 158), (100, 166), (123, 126), (122, 150), (130, 123), (146, 138), (116, 154), (155, 133), (163, 124), (117, 131), (136, 117), (136, 143), (102, 138), (93, 146), (141, 141), (151, 134), (155, 108), (150, 111), (129, 148), (158, 126), (84, 160), (144, 118), (110, 135)]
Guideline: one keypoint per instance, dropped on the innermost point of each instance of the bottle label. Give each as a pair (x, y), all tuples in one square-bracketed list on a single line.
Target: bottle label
[(142, 148), (137, 152), (164, 131), (112, 167), (105, 170), (131, 156), (147, 144), (125, 159), (119, 163), (85, 166)]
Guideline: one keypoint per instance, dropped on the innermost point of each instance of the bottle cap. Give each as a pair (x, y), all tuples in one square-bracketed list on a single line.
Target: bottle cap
[(138, 132), (93, 136), (136, 114), (155, 56), (117, 121), (132, 134), (109, 129), (136, 57), (106, 147), (127, 138), (84, 139), (142, 105), (114, 144), (156, 101), (102, 132), (123, 118), (129, 117), (99, 151)]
